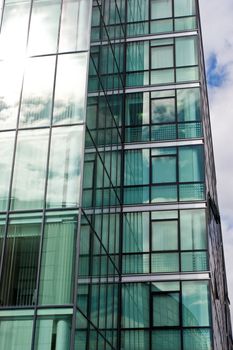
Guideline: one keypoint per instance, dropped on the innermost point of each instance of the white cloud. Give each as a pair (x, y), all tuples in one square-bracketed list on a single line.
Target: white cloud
[(217, 29)]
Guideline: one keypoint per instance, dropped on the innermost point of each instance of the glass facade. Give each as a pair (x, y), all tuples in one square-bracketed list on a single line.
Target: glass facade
[(110, 233)]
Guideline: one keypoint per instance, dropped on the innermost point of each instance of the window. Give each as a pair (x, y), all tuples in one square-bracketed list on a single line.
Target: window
[(164, 169), (161, 9), (165, 235), (163, 110), (162, 57), (166, 310)]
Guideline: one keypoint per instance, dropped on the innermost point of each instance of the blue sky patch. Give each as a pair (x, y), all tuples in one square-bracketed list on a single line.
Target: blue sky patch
[(216, 74)]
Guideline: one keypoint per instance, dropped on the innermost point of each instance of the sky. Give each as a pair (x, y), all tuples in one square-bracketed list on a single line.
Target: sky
[(217, 31)]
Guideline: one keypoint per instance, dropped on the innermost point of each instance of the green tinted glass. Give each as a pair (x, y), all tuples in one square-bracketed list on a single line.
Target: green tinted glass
[(166, 340), (166, 310), (165, 235), (195, 308)]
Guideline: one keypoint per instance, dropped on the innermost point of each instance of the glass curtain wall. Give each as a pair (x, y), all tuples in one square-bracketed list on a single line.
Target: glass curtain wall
[(44, 55), (98, 299)]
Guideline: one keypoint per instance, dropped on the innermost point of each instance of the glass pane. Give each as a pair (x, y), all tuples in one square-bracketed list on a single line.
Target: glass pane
[(14, 29), (193, 229), (10, 85), (162, 57), (137, 109), (186, 51), (136, 195), (16, 333), (195, 300), (166, 340), (184, 7), (191, 164), (52, 333), (188, 105), (163, 110), (137, 134), (163, 132), (70, 89), (164, 193), (192, 192), (161, 9), (136, 232), (20, 264), (2, 231), (30, 170), (165, 262), (187, 74), (137, 11), (166, 310), (163, 215), (165, 235), (135, 305), (37, 95), (137, 340), (165, 286), (75, 20), (65, 167), (190, 130), (56, 278), (163, 169), (137, 56), (136, 167), (6, 156), (162, 76), (196, 339), (194, 261), (43, 35), (161, 26), (185, 23), (135, 263)]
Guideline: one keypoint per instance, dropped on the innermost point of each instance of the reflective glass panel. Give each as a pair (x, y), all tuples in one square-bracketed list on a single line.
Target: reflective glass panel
[(161, 9), (137, 109), (195, 308), (163, 110), (186, 51), (191, 164), (11, 73), (166, 310), (53, 332), (162, 57), (65, 167), (193, 229), (16, 333), (58, 258), (196, 339), (44, 25), (137, 340), (137, 167), (164, 235), (135, 305), (188, 105), (136, 232), (6, 156), (75, 19), (70, 89), (37, 92), (166, 340), (20, 265), (164, 169), (184, 8), (30, 169), (165, 262), (14, 28)]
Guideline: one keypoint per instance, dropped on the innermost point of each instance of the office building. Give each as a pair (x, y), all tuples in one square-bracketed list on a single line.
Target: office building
[(109, 221)]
